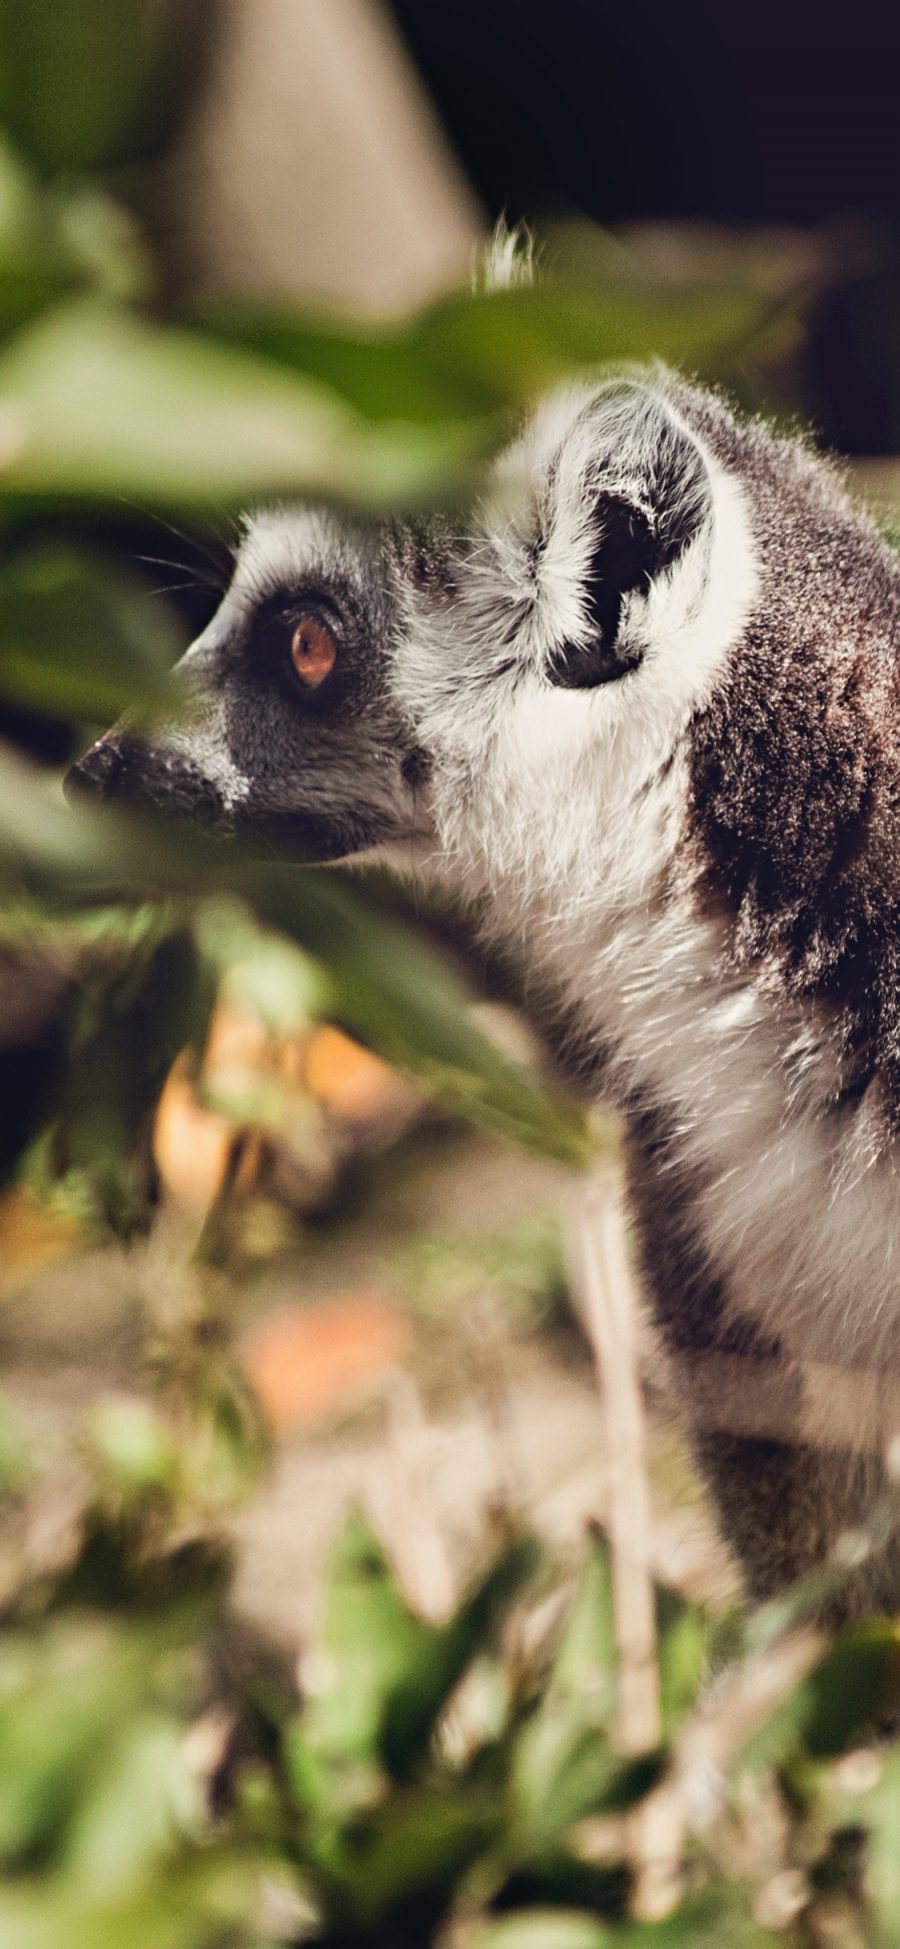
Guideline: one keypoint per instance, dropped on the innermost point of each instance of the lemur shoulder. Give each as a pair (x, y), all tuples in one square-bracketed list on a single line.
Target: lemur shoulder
[(644, 716)]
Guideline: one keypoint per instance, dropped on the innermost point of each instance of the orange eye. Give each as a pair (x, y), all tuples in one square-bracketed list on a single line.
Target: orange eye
[(313, 652)]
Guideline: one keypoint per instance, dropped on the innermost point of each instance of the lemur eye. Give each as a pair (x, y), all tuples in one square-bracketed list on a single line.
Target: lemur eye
[(313, 652)]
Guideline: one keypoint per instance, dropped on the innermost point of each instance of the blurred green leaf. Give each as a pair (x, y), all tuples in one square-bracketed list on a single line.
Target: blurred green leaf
[(146, 1801), (476, 355), (206, 1903), (382, 372), (133, 1446), (722, 1915), (683, 1655), (405, 1860), (37, 262), (518, 342), (586, 1660), (130, 1025), (262, 970), (369, 1642), (881, 1814), (563, 1765), (856, 1684), (442, 1656), (103, 240), (545, 1929), (64, 1700), (379, 1680), (721, 1919), (80, 638), (386, 984), (59, 240), (95, 404), (84, 83), (565, 1771), (397, 995)]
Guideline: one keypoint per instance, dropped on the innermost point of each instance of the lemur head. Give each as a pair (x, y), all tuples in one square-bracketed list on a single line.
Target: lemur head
[(360, 685)]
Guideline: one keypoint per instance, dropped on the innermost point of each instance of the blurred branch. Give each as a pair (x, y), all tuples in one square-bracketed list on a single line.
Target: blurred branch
[(607, 1303)]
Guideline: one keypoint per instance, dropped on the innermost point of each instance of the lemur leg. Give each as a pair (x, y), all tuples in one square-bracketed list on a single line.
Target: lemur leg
[(782, 1506), (782, 1503)]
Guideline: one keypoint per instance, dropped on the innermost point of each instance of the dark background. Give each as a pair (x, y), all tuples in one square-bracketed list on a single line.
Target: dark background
[(660, 110), (735, 116)]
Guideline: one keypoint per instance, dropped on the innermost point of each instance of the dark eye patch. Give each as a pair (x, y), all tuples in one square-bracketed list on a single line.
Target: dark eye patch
[(272, 650)]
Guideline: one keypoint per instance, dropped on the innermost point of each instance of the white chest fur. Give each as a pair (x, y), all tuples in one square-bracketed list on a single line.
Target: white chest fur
[(800, 1210)]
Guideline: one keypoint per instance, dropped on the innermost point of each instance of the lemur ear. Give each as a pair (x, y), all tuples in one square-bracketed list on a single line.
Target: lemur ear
[(650, 494)]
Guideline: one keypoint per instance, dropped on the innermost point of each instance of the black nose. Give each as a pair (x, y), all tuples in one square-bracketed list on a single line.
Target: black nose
[(97, 774)]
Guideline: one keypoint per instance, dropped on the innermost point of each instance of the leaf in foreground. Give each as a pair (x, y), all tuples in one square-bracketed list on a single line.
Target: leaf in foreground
[(386, 984), (97, 404)]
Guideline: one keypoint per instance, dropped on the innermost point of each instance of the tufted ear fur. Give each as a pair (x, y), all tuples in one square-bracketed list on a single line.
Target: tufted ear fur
[(641, 483)]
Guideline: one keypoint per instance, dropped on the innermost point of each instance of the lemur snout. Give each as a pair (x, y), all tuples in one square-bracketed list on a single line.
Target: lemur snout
[(156, 776), (98, 774)]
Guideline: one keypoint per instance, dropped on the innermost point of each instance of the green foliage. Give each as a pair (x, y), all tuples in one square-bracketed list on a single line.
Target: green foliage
[(102, 406), (434, 1784), (132, 54), (471, 357), (147, 998), (38, 264), (118, 644), (853, 1687)]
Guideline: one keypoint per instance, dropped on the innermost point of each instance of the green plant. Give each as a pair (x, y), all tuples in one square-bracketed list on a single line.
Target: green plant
[(456, 1783)]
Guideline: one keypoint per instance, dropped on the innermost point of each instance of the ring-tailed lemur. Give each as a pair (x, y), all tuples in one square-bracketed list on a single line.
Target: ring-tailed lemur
[(645, 715)]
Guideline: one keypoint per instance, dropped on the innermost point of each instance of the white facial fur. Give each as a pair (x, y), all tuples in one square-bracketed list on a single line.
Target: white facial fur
[(280, 548)]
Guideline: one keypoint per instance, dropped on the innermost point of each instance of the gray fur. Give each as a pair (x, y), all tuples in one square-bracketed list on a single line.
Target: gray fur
[(643, 718)]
